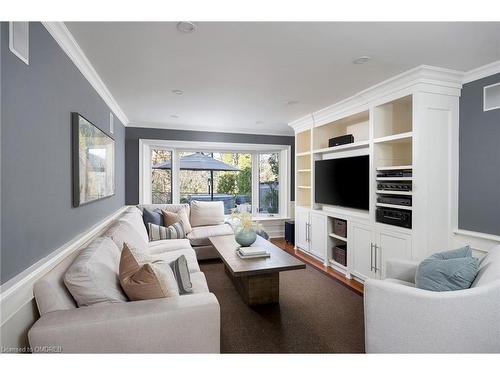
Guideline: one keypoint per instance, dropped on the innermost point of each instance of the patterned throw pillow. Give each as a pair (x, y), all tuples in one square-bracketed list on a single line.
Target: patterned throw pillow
[(174, 231)]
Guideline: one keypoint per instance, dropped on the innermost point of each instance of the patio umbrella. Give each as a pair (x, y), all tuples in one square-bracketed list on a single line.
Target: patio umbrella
[(200, 162)]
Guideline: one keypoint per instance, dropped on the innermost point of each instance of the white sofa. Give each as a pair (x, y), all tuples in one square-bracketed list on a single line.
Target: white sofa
[(198, 237), (399, 318), (185, 324)]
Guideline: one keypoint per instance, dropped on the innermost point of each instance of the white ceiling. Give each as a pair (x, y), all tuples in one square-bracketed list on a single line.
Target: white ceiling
[(239, 76)]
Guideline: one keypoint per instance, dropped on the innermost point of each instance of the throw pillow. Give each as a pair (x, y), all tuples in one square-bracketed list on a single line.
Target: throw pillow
[(152, 216), (180, 216), (174, 231), (148, 281), (181, 272), (92, 278), (448, 270), (207, 213)]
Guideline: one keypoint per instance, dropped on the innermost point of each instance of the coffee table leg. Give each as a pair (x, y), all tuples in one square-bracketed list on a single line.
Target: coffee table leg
[(258, 289)]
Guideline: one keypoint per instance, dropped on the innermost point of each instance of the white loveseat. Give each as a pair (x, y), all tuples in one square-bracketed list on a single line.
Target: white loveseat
[(399, 318), (184, 324)]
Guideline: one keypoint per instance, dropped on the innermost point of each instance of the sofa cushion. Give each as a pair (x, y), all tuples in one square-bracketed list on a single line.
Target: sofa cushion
[(446, 271), (133, 216), (181, 216), (123, 232), (199, 235), (153, 217), (206, 213), (489, 268), (92, 278), (146, 281), (170, 256), (199, 282), (172, 232)]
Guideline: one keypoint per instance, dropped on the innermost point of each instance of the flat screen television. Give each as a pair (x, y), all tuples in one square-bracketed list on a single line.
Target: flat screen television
[(343, 182)]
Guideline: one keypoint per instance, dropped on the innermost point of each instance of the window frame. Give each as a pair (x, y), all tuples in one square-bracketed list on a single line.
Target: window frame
[(145, 146)]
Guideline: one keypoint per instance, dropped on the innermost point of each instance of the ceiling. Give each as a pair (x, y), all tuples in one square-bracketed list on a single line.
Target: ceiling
[(239, 77)]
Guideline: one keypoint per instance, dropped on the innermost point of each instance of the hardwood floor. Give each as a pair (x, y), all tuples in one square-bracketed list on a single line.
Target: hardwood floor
[(352, 284)]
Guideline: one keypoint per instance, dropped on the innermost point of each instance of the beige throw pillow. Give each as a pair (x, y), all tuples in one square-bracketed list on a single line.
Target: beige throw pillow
[(207, 213), (181, 216), (147, 281)]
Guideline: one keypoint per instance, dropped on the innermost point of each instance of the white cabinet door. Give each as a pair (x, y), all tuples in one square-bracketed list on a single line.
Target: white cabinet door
[(361, 241), (301, 229), (391, 245), (317, 235)]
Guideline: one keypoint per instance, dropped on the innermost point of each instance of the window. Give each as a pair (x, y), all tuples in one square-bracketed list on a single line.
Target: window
[(161, 176), (216, 176), (269, 183), (252, 178)]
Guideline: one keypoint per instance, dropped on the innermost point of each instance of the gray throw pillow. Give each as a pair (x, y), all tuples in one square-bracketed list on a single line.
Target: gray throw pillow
[(448, 270), (153, 217), (181, 273), (174, 231)]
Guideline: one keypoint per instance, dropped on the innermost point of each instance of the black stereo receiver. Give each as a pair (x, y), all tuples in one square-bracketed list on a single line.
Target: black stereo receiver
[(394, 185), (401, 201), (393, 216), (395, 173), (342, 140)]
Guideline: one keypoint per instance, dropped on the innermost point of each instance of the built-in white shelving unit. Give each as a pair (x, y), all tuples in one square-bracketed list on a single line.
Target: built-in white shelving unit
[(403, 124)]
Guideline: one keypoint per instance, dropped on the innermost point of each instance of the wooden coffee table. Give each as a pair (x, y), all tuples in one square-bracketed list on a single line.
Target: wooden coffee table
[(257, 280)]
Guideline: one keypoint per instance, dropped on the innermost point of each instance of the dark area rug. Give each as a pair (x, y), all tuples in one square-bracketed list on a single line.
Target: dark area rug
[(315, 315)]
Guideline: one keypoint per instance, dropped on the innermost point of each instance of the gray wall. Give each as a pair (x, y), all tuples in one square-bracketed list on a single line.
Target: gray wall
[(132, 150), (479, 171), (37, 215)]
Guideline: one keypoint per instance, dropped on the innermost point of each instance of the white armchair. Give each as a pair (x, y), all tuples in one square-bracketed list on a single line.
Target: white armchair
[(400, 318)]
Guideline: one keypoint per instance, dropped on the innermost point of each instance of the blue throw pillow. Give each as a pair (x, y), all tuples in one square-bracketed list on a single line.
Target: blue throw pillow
[(448, 270), (153, 217)]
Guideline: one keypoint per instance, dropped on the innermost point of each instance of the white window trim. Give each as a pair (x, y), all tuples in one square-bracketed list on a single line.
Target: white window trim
[(175, 147)]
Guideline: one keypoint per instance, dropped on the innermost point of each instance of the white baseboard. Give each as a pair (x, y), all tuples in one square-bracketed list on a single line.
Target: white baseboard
[(18, 291)]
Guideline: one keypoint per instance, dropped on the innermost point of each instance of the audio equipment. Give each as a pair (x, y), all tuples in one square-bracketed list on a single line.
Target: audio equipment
[(342, 140), (402, 201), (394, 185), (393, 216), (395, 173)]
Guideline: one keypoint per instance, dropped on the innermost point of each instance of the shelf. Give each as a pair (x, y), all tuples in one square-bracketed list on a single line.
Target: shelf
[(394, 178), (303, 170), (395, 138), (408, 208), (304, 187), (303, 153), (336, 236), (395, 168), (394, 192), (349, 146)]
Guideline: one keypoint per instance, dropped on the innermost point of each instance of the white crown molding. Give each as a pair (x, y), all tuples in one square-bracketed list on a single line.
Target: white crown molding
[(482, 72), (65, 39), (430, 78), (235, 130)]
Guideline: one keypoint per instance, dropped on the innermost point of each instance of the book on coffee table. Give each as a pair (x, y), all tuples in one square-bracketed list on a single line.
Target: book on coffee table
[(252, 252)]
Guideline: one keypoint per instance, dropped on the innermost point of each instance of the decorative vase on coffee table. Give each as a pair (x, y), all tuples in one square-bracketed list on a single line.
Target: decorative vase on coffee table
[(245, 237)]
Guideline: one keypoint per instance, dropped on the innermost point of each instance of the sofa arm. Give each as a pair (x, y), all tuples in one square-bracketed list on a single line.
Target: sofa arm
[(401, 269), (184, 324), (403, 319), (162, 246)]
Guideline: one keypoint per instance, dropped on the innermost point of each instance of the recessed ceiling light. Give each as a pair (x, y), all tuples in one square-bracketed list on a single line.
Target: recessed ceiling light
[(178, 92), (186, 27), (292, 102), (174, 116), (361, 60)]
